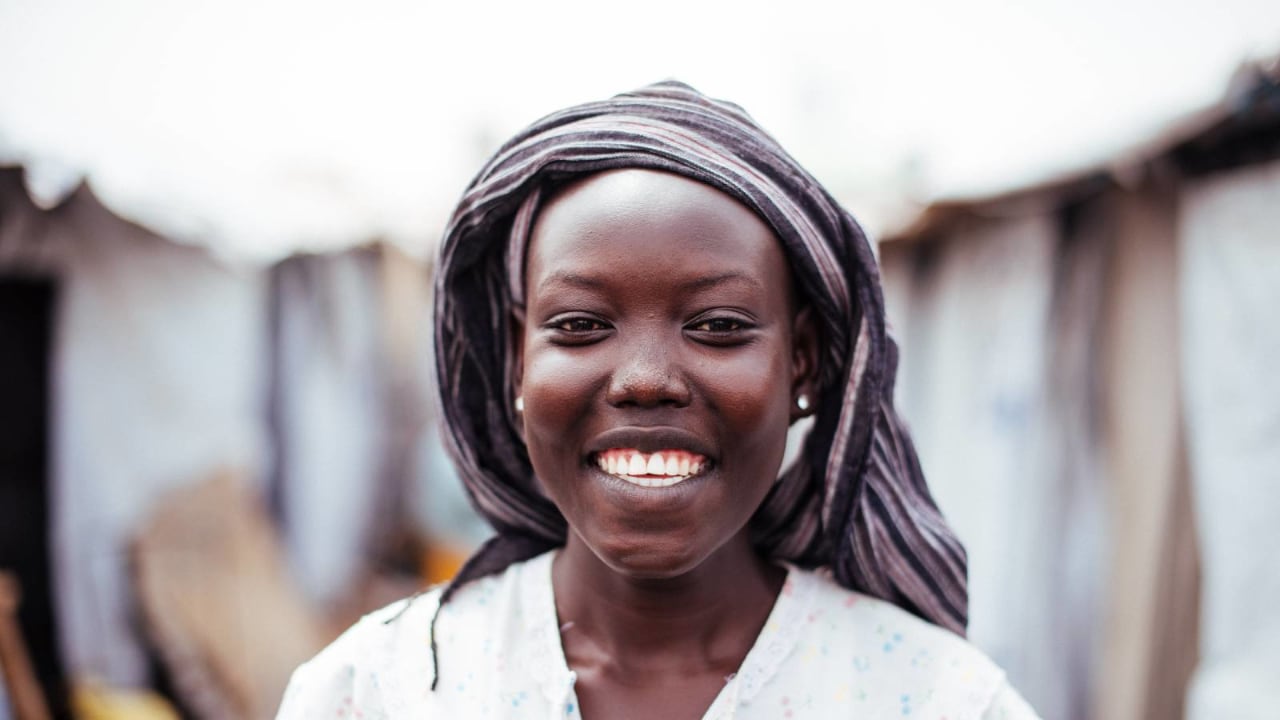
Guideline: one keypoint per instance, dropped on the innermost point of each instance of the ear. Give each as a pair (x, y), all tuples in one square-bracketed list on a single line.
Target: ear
[(804, 362)]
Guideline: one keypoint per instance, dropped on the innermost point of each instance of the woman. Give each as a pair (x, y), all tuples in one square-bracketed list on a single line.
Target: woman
[(636, 299)]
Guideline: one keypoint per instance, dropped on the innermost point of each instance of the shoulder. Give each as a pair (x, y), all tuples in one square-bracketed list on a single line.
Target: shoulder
[(898, 662), (386, 656), (345, 676), (885, 628)]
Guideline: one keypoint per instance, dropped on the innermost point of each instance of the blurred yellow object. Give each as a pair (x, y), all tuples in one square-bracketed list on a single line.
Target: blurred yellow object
[(441, 561), (91, 700)]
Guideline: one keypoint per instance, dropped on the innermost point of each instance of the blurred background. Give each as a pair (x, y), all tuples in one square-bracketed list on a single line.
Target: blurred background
[(218, 445)]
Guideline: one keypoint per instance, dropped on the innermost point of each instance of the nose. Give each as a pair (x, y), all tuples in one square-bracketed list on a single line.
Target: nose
[(647, 375)]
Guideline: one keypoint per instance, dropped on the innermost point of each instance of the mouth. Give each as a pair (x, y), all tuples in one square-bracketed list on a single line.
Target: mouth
[(659, 469)]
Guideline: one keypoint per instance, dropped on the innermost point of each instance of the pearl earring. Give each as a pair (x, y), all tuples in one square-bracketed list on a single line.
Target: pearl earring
[(802, 402), (519, 403)]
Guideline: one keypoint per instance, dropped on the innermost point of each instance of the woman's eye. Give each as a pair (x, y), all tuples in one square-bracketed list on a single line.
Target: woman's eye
[(718, 325), (578, 325)]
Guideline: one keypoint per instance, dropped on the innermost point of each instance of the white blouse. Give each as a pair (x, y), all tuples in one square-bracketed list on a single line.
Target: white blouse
[(824, 652)]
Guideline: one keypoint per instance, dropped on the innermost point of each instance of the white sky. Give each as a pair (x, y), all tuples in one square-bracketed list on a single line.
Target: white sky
[(261, 127)]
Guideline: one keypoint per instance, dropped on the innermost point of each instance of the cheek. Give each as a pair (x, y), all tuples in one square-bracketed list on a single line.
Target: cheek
[(751, 394), (557, 388)]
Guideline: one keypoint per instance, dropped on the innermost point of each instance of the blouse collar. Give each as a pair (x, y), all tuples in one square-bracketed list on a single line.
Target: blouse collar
[(550, 669)]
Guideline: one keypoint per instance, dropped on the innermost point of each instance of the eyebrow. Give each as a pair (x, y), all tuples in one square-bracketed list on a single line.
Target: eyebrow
[(567, 277)]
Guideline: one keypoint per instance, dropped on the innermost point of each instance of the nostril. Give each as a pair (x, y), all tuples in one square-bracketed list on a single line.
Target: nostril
[(668, 390)]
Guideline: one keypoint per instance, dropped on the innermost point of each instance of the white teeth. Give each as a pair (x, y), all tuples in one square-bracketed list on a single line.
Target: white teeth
[(657, 465), (660, 469), (653, 482)]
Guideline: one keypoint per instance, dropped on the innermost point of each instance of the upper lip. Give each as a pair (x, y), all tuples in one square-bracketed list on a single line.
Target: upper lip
[(649, 440)]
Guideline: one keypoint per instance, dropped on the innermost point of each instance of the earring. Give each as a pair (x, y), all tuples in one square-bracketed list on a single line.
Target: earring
[(519, 403), (802, 402)]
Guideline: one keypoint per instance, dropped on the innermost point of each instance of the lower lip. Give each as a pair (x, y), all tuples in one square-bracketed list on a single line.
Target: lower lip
[(651, 482)]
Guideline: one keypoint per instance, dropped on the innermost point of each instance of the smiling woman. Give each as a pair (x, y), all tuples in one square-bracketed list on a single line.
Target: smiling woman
[(658, 326), (637, 298)]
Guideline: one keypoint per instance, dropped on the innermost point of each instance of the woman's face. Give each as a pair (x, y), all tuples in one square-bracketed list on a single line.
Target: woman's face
[(661, 361)]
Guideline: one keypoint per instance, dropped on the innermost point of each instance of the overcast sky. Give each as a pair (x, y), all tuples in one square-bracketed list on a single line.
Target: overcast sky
[(262, 127)]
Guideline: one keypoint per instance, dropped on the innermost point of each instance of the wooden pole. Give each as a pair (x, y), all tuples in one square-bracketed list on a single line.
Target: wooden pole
[(20, 682)]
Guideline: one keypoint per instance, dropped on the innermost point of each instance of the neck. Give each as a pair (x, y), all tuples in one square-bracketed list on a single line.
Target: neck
[(707, 617)]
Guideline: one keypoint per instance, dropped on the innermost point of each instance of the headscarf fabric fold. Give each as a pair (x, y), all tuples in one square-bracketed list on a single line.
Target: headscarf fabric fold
[(855, 502)]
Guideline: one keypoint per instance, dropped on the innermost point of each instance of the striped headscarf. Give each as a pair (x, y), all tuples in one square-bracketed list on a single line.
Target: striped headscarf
[(855, 501)]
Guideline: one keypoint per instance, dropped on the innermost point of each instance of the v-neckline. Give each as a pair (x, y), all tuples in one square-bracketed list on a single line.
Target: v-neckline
[(774, 643)]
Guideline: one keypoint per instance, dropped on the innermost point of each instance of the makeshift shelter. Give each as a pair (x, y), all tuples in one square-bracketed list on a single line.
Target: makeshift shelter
[(141, 369), (154, 368), (1086, 368)]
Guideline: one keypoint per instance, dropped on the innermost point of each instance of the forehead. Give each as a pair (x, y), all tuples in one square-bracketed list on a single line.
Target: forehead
[(647, 224)]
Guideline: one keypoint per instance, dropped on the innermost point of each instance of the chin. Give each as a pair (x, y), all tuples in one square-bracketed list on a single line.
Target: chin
[(654, 559)]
